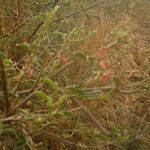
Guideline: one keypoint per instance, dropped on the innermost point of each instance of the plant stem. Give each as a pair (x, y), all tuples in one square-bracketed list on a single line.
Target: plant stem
[(7, 105)]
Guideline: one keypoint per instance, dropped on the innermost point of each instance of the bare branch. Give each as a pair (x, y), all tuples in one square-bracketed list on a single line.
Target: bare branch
[(12, 118), (62, 68), (35, 30), (90, 115), (14, 29)]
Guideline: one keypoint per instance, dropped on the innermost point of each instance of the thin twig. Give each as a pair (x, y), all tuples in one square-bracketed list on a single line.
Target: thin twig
[(90, 115), (136, 84), (18, 8), (27, 99), (80, 11), (29, 140), (37, 80), (75, 109), (12, 118), (14, 29), (62, 68), (35, 30), (140, 125)]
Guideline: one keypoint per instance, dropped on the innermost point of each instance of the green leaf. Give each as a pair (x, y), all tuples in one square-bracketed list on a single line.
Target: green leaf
[(56, 9), (46, 15), (24, 46), (56, 64), (121, 34), (55, 125), (25, 112), (60, 101), (104, 97), (44, 97), (116, 80), (80, 55), (62, 98), (50, 102), (8, 62), (78, 91), (115, 130), (48, 81), (111, 44), (2, 56), (56, 36), (51, 83)]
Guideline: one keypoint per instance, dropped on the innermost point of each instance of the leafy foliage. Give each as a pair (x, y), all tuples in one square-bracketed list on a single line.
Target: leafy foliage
[(67, 83)]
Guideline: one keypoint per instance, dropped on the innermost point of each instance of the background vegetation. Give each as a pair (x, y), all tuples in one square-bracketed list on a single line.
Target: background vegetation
[(74, 74)]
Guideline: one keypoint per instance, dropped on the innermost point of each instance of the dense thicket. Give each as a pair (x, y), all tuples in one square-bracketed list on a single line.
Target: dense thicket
[(74, 74)]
